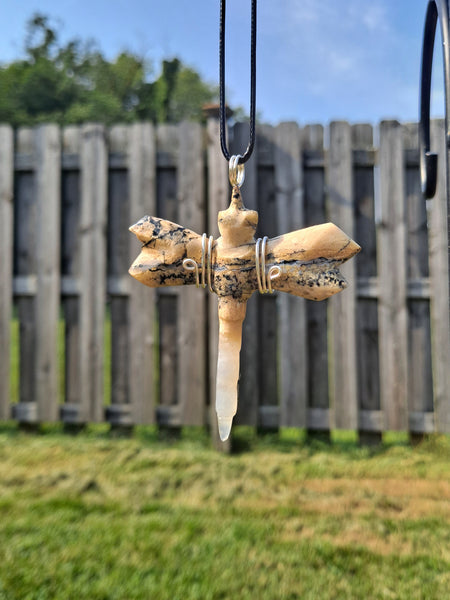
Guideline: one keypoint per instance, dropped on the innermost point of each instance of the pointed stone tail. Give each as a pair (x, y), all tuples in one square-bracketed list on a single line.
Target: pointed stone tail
[(231, 317)]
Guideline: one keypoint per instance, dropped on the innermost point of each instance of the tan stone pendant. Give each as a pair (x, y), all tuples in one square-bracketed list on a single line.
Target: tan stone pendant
[(303, 263)]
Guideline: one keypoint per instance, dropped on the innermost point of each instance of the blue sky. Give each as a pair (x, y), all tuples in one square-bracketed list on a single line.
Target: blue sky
[(318, 60)]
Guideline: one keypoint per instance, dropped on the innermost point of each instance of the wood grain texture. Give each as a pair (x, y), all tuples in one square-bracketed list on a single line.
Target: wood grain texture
[(343, 308), (267, 326), (6, 262), (48, 189), (191, 337), (392, 308), (119, 411), (167, 145), (25, 268), (420, 380), (72, 411), (249, 382), (167, 142), (93, 219), (317, 313), (366, 308), (141, 302), (291, 317), (439, 283), (218, 192)]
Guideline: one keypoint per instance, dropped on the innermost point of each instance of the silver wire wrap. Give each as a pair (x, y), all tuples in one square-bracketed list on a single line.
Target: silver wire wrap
[(202, 273), (264, 279), (236, 171)]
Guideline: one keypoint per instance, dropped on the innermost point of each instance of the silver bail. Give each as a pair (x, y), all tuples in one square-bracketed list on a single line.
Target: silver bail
[(236, 171)]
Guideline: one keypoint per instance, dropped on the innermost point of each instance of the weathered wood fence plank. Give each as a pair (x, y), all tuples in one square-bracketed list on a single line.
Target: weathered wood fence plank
[(267, 348), (6, 263), (370, 416), (37, 237), (94, 195), (168, 410), (48, 189), (119, 410), (318, 416), (75, 409), (439, 284), (249, 382), (292, 350), (25, 411), (342, 306), (420, 382), (142, 302), (192, 304), (219, 199), (392, 309)]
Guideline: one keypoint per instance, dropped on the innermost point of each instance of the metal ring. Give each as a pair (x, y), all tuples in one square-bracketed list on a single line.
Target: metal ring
[(264, 280), (210, 243), (236, 171), (273, 273), (257, 266), (202, 271), (263, 264), (203, 284), (190, 265)]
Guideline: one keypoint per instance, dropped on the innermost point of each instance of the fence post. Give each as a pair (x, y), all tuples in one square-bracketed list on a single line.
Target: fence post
[(6, 262)]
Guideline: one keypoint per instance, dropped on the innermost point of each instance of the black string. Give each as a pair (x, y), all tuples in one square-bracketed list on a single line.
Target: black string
[(223, 117)]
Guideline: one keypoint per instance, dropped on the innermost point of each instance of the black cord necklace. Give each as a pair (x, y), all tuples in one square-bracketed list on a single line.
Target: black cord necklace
[(223, 124)]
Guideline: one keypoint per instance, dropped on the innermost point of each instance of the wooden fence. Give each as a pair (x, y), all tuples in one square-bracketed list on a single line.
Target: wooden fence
[(373, 358)]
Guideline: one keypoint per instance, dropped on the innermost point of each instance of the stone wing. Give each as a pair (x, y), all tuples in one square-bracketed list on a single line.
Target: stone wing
[(164, 247), (309, 260)]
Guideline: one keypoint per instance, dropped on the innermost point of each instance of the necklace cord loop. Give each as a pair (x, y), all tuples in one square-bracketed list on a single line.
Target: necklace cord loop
[(222, 113)]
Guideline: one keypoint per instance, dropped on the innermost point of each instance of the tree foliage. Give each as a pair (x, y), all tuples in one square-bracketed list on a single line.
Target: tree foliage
[(74, 82)]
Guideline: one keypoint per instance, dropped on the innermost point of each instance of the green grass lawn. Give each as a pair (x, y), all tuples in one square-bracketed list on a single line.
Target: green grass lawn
[(90, 517)]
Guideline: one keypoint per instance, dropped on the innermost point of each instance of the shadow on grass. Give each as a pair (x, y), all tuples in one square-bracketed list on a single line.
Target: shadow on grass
[(244, 439)]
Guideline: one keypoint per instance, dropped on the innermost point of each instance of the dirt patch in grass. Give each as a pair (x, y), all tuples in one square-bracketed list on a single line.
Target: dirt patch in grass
[(393, 497)]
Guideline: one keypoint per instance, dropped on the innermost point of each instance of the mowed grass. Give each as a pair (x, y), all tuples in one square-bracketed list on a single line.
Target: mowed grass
[(90, 517)]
